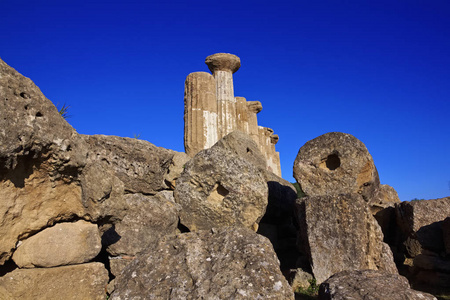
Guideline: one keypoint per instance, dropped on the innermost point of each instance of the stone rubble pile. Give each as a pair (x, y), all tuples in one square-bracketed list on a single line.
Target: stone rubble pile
[(90, 217)]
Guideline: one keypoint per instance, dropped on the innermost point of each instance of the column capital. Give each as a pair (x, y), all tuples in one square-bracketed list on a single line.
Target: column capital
[(254, 106), (223, 62)]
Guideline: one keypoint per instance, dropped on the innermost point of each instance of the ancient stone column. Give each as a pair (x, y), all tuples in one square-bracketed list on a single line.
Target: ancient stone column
[(242, 115), (200, 112), (253, 107), (223, 65), (267, 141), (275, 155)]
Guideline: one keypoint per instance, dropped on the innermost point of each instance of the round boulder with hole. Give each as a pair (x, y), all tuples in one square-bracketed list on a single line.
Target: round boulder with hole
[(219, 188), (336, 163)]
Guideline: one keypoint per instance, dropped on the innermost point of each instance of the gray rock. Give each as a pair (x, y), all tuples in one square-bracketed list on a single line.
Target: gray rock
[(176, 166), (62, 244), (227, 263), (140, 165), (301, 280), (385, 196), (369, 284), (336, 163), (85, 281), (243, 146), (218, 188), (339, 233), (147, 219), (102, 192), (421, 223)]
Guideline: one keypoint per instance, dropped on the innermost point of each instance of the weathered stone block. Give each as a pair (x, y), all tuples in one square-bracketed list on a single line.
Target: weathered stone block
[(62, 244), (85, 281), (421, 220), (227, 263), (339, 233), (147, 219), (369, 284)]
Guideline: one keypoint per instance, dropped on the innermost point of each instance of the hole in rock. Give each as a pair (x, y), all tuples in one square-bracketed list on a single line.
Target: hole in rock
[(39, 114), (182, 228), (24, 95), (248, 150), (217, 194), (333, 162)]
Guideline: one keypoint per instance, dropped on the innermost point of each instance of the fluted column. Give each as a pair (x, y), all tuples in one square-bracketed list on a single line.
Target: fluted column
[(242, 115), (253, 108), (200, 112), (223, 65)]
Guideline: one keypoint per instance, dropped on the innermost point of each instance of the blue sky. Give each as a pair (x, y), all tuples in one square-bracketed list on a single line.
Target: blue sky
[(379, 70)]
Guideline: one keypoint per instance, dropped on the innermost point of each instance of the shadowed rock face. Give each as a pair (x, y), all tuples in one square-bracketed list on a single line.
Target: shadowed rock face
[(369, 284), (420, 223), (336, 163), (227, 263), (339, 233)]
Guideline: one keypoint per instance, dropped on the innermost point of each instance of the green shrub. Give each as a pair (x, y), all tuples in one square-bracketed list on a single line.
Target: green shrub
[(310, 292), (300, 193)]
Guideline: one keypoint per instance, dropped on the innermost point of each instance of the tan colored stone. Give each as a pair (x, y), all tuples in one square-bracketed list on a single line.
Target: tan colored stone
[(223, 65), (39, 203), (62, 244), (200, 112), (253, 108), (77, 282), (40, 158), (336, 163), (219, 188), (242, 115)]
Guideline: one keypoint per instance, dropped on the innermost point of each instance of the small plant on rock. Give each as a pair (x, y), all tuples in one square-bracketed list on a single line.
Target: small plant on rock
[(310, 292)]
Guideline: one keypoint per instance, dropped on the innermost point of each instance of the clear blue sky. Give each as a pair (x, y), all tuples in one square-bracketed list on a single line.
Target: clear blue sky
[(379, 70)]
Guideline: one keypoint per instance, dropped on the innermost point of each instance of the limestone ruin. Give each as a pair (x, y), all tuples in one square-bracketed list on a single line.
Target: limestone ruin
[(211, 111)]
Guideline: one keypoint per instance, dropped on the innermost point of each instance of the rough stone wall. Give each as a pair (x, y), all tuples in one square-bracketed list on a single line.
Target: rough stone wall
[(212, 111)]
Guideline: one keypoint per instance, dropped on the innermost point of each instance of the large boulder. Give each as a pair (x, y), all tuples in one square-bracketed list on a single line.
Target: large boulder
[(140, 165), (369, 284), (147, 219), (336, 163), (227, 263), (85, 281), (218, 188), (62, 244), (243, 146), (41, 157), (339, 233), (420, 222)]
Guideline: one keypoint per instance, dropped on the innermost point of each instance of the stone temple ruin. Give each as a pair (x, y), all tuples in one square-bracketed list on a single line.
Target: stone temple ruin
[(95, 217), (211, 111)]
